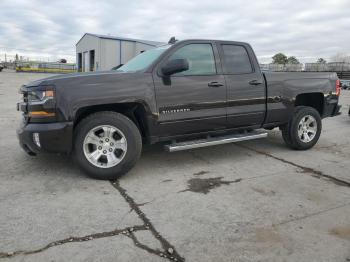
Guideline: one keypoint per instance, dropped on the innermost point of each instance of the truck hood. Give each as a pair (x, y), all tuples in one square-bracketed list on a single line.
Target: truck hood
[(90, 78)]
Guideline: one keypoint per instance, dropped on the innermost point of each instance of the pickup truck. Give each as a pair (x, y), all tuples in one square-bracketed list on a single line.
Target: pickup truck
[(187, 94)]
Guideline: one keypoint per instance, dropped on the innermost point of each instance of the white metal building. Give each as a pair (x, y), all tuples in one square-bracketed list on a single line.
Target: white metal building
[(101, 52)]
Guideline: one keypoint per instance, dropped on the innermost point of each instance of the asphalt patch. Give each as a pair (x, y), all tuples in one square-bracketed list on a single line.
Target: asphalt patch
[(204, 185)]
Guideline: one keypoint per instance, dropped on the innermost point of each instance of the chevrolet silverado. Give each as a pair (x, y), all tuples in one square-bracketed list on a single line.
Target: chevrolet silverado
[(187, 94)]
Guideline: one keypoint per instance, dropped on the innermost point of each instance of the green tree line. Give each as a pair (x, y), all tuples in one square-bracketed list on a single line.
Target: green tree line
[(282, 59)]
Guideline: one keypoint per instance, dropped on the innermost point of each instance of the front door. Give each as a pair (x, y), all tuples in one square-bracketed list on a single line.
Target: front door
[(194, 100)]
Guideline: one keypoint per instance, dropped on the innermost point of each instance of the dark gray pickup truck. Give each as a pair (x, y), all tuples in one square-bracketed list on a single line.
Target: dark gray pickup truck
[(189, 94)]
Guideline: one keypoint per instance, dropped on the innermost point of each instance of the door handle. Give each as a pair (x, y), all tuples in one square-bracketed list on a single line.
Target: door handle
[(255, 82), (214, 84)]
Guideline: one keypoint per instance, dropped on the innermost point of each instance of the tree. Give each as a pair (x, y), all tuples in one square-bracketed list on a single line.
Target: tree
[(292, 60), (279, 58), (321, 61), (62, 60)]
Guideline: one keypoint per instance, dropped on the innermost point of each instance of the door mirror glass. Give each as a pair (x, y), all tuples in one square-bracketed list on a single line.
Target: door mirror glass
[(175, 66)]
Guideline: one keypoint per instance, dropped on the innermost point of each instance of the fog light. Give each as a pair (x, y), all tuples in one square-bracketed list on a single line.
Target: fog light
[(36, 139)]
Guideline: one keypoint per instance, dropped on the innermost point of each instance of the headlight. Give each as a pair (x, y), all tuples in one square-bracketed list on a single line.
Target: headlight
[(40, 95), (40, 104)]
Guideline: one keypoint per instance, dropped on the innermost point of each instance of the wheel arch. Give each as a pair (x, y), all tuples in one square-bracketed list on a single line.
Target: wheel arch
[(314, 100), (135, 111)]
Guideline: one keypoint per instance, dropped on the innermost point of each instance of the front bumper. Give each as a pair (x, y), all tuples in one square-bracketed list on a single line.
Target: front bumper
[(54, 137)]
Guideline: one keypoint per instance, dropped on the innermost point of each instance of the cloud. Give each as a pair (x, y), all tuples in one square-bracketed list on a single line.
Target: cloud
[(305, 29)]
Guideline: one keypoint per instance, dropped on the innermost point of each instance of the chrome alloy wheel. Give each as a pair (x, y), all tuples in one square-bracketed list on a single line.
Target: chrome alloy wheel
[(307, 128), (105, 146)]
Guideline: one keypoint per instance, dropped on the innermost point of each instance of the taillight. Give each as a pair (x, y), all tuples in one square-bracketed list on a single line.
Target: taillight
[(337, 87)]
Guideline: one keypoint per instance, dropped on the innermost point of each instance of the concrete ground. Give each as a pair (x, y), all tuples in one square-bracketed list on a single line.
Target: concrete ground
[(250, 201)]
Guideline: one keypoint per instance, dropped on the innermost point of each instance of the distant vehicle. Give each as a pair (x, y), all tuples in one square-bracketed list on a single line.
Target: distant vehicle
[(190, 94), (1, 67), (63, 61), (345, 84)]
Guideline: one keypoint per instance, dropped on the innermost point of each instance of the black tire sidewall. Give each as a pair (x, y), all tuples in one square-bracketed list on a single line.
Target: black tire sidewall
[(286, 137), (126, 126), (299, 114)]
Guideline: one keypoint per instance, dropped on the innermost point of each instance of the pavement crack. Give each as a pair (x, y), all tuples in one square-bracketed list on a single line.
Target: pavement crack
[(125, 231), (304, 169), (169, 252), (309, 215), (145, 247)]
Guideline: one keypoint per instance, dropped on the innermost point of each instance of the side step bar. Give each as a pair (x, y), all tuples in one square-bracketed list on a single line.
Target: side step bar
[(211, 141)]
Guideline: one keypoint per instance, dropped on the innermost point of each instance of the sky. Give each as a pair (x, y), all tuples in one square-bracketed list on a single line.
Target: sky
[(49, 30)]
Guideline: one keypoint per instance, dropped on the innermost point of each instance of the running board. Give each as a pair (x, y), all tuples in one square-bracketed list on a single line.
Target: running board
[(212, 141)]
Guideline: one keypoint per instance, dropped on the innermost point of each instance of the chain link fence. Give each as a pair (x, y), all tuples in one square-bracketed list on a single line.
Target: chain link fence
[(308, 67), (282, 68), (45, 67), (341, 68), (329, 67)]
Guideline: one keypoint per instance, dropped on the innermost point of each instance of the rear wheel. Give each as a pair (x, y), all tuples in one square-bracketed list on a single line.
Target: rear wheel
[(107, 145), (303, 129)]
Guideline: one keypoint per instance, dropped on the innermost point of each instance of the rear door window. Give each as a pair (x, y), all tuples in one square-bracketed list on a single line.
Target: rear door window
[(236, 60)]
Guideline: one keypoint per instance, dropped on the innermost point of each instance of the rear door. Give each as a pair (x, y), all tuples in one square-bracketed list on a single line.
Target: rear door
[(246, 91), (194, 100)]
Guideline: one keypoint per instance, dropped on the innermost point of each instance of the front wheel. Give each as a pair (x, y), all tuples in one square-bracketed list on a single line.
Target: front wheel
[(107, 145), (303, 129)]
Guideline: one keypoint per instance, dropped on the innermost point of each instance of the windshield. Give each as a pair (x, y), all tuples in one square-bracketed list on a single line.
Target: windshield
[(143, 60)]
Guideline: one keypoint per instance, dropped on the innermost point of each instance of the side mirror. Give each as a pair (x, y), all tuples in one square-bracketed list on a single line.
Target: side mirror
[(175, 66)]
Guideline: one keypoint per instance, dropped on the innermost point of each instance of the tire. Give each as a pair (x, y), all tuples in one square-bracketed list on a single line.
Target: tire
[(286, 136), (302, 135), (112, 142), (285, 129)]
